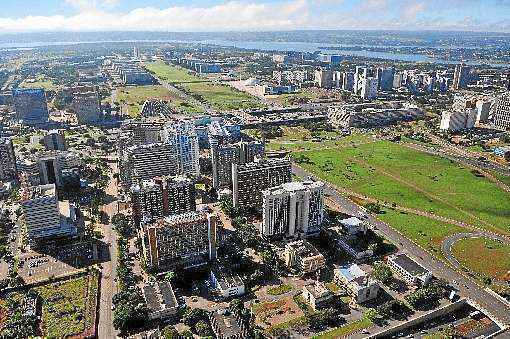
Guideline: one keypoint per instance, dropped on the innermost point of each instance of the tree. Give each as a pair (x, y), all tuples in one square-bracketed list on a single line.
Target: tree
[(236, 306), (170, 276), (382, 272), (170, 332), (373, 208), (192, 316), (203, 329)]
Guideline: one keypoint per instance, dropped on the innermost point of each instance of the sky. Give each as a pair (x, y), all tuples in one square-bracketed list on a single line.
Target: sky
[(251, 15)]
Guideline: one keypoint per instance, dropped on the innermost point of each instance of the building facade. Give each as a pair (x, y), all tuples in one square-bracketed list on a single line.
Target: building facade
[(500, 113), (8, 170), (182, 137), (30, 106), (55, 141)]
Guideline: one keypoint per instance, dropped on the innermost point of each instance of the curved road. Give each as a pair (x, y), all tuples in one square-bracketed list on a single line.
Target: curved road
[(449, 242)]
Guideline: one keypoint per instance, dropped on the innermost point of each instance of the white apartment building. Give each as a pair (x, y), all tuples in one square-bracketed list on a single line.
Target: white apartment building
[(455, 121), (293, 208), (369, 88)]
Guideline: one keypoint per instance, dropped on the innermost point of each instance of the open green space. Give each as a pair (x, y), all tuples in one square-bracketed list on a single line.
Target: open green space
[(280, 289), (171, 73), (221, 97), (69, 306), (345, 330), (395, 174), (299, 138), (40, 81), (304, 95), (134, 97), (426, 232), (473, 253)]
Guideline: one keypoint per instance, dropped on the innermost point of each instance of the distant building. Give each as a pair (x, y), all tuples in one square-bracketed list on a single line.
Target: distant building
[(385, 77), (373, 114), (55, 141), (500, 112), (8, 170), (30, 106), (182, 137), (161, 301), (348, 81), (179, 241), (292, 209), (224, 155), (412, 272), (251, 179), (134, 133), (369, 88), (361, 287), (156, 108), (45, 217), (303, 257), (86, 104), (324, 78), (147, 201), (455, 121), (317, 295), (226, 282), (462, 77), (52, 164)]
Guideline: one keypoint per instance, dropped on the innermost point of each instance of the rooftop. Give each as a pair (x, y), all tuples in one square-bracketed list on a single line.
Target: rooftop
[(160, 296), (303, 248), (408, 264)]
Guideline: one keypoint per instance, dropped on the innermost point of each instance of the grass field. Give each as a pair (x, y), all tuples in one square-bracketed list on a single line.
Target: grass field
[(299, 138), (345, 330), (171, 73), (395, 174), (134, 97), (40, 82), (222, 97), (69, 306), (473, 253), (280, 289)]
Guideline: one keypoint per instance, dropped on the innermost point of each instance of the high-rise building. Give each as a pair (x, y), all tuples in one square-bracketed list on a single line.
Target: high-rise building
[(86, 104), (179, 241), (458, 120), (324, 78), (385, 77), (369, 88), (134, 132), (224, 155), (30, 106), (293, 209), (144, 162), (500, 112), (54, 140), (251, 179), (8, 171), (146, 201), (182, 137), (461, 77), (45, 216), (348, 81), (179, 195)]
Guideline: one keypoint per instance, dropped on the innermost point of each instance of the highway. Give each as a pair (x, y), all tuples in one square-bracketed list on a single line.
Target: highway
[(466, 287)]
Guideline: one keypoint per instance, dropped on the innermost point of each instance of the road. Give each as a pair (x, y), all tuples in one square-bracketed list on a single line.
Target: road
[(109, 268), (465, 286)]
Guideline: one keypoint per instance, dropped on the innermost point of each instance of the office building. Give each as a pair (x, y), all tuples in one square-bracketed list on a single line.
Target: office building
[(500, 112), (369, 88), (301, 256), (179, 195), (144, 162), (228, 325), (224, 155), (179, 241), (412, 272), (46, 217), (385, 77), (226, 283), (8, 170), (455, 121), (134, 132), (86, 105), (461, 77), (30, 106), (317, 295), (52, 164), (293, 209), (360, 75), (55, 141), (182, 137), (146, 201), (348, 81), (160, 299), (324, 78), (360, 286), (156, 108), (373, 114), (251, 179), (345, 240)]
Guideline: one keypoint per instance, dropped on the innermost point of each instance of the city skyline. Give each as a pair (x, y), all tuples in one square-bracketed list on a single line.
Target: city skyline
[(212, 15)]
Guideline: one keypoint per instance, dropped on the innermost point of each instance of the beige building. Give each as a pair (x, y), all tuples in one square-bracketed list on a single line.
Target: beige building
[(303, 257)]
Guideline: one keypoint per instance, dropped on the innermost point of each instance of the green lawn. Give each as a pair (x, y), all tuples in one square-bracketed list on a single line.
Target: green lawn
[(280, 289), (171, 73), (396, 174), (222, 97), (41, 81), (303, 95), (345, 330), (473, 253), (134, 97), (293, 141), (69, 306), (427, 233)]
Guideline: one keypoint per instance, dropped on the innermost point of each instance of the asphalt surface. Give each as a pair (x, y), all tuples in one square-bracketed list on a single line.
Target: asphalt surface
[(466, 287)]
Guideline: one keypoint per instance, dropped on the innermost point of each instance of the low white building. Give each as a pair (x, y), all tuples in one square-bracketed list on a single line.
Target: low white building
[(361, 287), (354, 225), (228, 284), (317, 295), (455, 121), (303, 257), (412, 272)]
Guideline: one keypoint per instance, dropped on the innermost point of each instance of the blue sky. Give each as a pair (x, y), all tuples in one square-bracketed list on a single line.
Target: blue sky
[(212, 15)]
